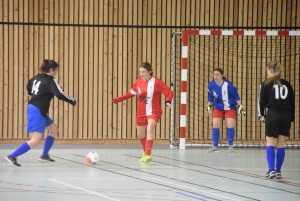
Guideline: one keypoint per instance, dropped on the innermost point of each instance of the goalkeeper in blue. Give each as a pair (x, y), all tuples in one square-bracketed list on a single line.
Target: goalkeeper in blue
[(278, 96), (223, 101)]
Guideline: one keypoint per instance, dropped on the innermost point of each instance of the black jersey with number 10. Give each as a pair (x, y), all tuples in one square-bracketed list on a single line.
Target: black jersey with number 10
[(276, 97)]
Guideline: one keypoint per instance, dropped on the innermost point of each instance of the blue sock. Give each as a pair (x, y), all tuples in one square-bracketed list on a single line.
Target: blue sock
[(230, 133), (48, 144), (270, 157), (215, 136), (279, 158), (21, 150)]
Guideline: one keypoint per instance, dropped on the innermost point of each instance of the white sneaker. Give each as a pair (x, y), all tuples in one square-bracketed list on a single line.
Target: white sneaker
[(230, 149), (212, 149)]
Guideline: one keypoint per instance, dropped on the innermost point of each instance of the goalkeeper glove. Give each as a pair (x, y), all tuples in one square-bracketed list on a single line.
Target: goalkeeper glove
[(208, 110), (262, 118), (241, 110)]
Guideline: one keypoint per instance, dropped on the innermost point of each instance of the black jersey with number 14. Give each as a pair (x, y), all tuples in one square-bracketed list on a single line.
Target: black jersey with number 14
[(277, 97), (42, 89)]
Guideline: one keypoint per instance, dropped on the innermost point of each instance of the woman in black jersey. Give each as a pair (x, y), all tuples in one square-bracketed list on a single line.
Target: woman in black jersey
[(41, 90), (277, 95)]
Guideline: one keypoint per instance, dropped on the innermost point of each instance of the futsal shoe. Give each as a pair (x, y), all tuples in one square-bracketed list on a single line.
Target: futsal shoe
[(142, 159), (278, 175), (12, 161), (147, 158), (46, 159), (212, 149), (230, 149), (271, 174)]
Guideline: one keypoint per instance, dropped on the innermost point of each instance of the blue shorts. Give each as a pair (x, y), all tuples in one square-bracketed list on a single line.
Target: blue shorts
[(36, 122)]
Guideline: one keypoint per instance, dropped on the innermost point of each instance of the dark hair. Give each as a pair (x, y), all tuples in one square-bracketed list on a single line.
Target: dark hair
[(275, 66), (220, 70), (47, 65), (148, 67)]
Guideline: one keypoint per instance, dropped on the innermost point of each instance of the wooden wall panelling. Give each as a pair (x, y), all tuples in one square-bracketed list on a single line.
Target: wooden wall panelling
[(15, 72), (114, 64), (1, 71), (10, 93), (124, 70), (81, 71), (119, 110), (23, 45), (74, 44), (91, 106), (87, 68), (101, 73), (69, 45), (63, 44), (164, 57), (132, 65), (97, 81), (105, 72)]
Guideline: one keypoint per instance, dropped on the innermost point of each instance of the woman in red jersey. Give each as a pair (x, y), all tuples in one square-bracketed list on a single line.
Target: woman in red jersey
[(149, 90)]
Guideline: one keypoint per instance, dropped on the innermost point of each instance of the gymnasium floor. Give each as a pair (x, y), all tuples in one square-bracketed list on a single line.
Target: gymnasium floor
[(173, 175)]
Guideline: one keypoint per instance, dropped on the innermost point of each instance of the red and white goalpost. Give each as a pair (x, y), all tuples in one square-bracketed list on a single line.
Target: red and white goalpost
[(243, 55)]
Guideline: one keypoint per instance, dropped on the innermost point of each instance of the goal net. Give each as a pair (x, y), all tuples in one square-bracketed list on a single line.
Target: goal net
[(243, 55)]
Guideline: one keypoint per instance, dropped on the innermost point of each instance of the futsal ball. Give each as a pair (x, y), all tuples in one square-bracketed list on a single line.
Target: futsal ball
[(92, 158)]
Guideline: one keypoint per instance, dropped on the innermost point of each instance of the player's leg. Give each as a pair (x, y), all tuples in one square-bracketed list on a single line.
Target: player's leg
[(141, 126), (218, 116), (284, 132), (36, 124), (49, 141), (230, 121), (272, 129), (152, 122), (280, 155)]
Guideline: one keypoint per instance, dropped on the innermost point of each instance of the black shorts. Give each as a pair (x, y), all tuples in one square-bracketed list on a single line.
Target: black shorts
[(278, 122)]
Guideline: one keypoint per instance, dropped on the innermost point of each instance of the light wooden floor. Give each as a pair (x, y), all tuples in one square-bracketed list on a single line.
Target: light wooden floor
[(173, 175)]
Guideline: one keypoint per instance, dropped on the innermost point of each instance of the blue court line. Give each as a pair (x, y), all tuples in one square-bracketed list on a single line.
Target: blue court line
[(190, 196)]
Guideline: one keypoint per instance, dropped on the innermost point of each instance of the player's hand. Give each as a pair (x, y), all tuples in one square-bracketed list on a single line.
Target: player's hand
[(74, 103), (208, 110), (168, 104), (241, 110), (262, 118), (115, 100)]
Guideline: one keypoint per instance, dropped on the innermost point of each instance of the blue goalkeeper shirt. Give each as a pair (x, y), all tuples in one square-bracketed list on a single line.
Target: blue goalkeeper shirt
[(224, 97)]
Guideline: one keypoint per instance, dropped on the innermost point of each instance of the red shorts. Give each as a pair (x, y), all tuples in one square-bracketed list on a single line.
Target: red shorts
[(143, 121), (222, 113)]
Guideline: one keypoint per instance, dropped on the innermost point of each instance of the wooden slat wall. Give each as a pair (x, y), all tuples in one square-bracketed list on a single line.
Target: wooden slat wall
[(99, 46)]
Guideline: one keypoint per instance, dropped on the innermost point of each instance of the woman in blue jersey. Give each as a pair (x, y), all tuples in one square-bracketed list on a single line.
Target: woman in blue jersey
[(225, 100)]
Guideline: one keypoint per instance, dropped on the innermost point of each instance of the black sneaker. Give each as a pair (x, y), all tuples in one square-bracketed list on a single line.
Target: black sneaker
[(46, 159), (12, 161), (271, 174), (278, 175)]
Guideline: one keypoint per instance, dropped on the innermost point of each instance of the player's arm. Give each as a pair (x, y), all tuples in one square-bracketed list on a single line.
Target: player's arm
[(210, 101), (262, 102), (29, 88), (59, 93), (292, 101), (233, 91), (166, 91), (126, 96)]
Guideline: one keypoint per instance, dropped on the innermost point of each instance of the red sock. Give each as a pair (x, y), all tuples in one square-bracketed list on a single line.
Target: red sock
[(148, 148), (143, 142)]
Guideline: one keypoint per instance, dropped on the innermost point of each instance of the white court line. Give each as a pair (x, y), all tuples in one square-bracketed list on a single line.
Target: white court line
[(194, 189), (84, 190)]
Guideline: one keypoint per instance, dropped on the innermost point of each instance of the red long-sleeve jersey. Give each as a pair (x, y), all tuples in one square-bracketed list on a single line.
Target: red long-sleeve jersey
[(149, 96)]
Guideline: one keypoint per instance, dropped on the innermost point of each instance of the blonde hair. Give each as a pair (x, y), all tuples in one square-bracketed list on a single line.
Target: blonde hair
[(275, 78)]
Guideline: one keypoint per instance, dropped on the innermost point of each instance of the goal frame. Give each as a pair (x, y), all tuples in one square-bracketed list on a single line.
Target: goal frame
[(184, 66)]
